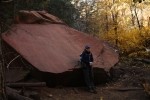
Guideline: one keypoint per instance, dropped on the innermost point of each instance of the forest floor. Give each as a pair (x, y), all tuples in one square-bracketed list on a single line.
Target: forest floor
[(126, 85)]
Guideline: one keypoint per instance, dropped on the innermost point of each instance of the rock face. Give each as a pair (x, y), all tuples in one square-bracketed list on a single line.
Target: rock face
[(51, 46)]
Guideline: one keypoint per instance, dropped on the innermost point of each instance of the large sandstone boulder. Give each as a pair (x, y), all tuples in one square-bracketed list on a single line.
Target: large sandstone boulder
[(51, 46)]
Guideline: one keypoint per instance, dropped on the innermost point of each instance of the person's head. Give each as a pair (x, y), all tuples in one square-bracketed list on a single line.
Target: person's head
[(87, 48)]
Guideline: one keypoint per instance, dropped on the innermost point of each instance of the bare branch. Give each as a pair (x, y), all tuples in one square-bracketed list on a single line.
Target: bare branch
[(12, 61)]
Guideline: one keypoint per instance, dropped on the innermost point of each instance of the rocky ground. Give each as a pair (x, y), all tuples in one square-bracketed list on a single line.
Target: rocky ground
[(127, 84)]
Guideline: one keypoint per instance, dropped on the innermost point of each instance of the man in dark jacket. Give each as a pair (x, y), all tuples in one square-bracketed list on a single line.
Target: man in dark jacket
[(86, 64)]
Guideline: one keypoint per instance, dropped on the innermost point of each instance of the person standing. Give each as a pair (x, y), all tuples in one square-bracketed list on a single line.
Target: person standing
[(86, 66)]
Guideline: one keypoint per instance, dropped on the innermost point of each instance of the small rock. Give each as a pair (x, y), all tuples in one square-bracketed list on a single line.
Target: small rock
[(50, 95)]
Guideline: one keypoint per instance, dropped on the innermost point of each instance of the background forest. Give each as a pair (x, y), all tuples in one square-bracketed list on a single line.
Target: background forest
[(123, 23)]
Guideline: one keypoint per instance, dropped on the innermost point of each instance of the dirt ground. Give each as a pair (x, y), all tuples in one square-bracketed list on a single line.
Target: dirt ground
[(80, 94), (125, 85)]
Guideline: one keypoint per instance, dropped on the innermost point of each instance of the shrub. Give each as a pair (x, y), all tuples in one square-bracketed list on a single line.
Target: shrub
[(131, 42)]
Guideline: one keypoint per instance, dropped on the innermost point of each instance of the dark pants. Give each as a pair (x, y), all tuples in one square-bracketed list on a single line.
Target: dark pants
[(88, 75)]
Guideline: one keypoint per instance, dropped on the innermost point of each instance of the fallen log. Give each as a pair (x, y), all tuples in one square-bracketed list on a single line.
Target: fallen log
[(6, 1), (143, 60), (125, 89), (38, 84), (12, 90), (146, 61), (14, 95)]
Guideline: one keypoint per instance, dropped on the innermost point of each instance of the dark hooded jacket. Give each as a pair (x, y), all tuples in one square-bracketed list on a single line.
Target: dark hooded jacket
[(86, 57)]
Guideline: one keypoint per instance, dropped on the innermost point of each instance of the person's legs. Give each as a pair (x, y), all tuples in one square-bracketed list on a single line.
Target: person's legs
[(92, 80), (87, 77), (91, 76)]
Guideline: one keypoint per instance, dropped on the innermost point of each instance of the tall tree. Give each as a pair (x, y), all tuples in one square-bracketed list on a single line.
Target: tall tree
[(63, 9), (3, 18)]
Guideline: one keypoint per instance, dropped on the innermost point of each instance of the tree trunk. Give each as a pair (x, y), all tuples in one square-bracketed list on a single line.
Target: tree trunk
[(133, 18), (148, 21), (2, 82), (115, 16), (35, 84), (107, 26), (138, 22)]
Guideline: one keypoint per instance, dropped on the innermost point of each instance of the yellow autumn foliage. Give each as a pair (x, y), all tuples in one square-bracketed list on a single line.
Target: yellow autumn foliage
[(131, 42)]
